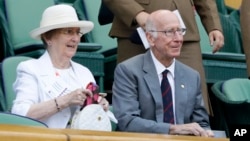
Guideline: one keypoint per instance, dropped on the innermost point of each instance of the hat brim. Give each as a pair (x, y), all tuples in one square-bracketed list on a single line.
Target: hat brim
[(85, 27)]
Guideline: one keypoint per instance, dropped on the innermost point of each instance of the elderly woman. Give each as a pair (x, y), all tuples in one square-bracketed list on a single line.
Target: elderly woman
[(51, 88)]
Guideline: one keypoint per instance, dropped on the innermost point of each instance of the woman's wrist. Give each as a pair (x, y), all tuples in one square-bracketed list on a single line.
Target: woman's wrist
[(57, 105)]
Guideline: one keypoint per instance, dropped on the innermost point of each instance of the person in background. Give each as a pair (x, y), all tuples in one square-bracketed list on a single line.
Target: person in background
[(130, 14), (245, 30), (51, 88), (137, 96)]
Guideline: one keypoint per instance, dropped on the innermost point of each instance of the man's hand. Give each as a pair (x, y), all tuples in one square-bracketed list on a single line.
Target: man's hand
[(190, 129)]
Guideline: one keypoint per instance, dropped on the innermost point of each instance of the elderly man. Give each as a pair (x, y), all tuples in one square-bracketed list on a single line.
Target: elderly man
[(140, 98)]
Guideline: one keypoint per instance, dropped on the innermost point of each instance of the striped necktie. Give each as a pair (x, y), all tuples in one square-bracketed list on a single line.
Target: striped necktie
[(167, 99)]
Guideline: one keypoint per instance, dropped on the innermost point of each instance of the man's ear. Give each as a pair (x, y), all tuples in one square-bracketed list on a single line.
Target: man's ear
[(150, 39)]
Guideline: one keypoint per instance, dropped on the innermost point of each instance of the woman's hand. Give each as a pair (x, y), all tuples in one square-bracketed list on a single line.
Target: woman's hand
[(76, 97), (103, 102)]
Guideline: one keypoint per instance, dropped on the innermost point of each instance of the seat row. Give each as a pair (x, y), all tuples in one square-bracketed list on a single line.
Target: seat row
[(98, 50), (226, 73)]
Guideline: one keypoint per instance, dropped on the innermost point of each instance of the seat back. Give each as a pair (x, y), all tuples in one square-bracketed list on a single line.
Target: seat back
[(100, 35), (9, 66), (64, 1), (230, 31), (204, 39), (237, 89), (100, 32), (232, 35), (229, 62), (221, 7), (22, 17), (2, 98), (5, 43), (8, 118), (231, 111)]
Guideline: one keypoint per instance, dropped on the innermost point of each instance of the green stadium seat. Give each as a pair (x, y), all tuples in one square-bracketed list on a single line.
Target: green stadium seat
[(232, 35), (2, 98), (99, 35), (221, 6), (20, 21), (65, 1), (95, 62), (8, 118), (228, 62), (232, 102), (100, 32), (237, 89), (8, 70), (5, 41)]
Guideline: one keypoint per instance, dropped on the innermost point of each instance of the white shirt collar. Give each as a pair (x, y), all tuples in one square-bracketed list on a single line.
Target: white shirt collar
[(160, 67)]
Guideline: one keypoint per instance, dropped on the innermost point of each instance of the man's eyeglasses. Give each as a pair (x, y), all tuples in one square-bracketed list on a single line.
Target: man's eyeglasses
[(71, 32), (172, 32)]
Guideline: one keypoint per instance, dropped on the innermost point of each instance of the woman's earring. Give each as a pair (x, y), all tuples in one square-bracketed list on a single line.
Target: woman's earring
[(49, 43)]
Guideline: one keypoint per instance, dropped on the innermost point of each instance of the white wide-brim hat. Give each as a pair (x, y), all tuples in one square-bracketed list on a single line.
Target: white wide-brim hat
[(60, 16)]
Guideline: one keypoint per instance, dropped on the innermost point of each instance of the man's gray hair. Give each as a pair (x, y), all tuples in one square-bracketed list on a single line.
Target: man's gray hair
[(150, 26)]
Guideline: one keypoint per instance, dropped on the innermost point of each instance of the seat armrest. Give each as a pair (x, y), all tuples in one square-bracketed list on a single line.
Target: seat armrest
[(224, 56), (89, 47)]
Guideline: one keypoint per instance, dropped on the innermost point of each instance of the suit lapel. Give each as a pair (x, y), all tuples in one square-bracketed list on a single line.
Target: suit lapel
[(46, 74), (45, 67), (180, 92), (152, 82)]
